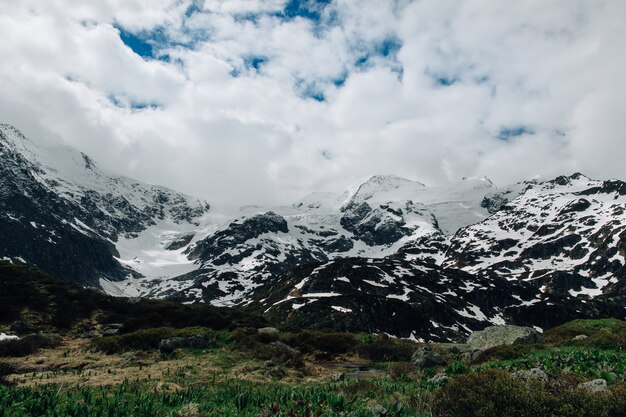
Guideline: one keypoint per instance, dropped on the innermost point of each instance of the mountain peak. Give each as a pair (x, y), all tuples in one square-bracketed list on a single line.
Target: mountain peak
[(382, 187), (389, 179), (11, 134)]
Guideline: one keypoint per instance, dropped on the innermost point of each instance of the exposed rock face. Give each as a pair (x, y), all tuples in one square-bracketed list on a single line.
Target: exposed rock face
[(374, 226), (504, 335), (268, 330), (426, 357)]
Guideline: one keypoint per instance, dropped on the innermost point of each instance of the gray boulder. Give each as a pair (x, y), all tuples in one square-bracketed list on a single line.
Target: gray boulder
[(168, 346), (580, 337), (284, 349), (268, 330), (528, 375), (439, 378), (378, 410), (426, 357), (597, 385), (504, 335)]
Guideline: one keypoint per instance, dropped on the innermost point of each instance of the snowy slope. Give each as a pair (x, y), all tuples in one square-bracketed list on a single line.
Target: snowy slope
[(572, 225), (239, 250), (69, 217)]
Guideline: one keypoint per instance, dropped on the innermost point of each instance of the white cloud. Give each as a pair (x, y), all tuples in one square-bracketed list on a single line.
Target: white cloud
[(230, 127)]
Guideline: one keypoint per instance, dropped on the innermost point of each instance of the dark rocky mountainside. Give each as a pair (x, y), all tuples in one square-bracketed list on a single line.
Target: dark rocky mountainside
[(388, 254)]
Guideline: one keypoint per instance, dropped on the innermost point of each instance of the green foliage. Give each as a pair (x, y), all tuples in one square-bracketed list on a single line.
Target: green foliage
[(229, 398), (494, 393), (592, 363), (603, 334), (456, 368), (331, 343), (506, 352), (150, 338), (401, 371), (385, 348)]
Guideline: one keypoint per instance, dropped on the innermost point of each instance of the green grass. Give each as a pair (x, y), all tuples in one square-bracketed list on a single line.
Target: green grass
[(235, 398), (587, 362), (603, 333)]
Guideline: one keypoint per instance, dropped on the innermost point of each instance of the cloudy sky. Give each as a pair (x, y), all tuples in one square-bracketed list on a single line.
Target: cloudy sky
[(244, 100)]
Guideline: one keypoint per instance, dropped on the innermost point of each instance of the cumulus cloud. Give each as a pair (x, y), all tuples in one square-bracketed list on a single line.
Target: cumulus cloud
[(264, 101)]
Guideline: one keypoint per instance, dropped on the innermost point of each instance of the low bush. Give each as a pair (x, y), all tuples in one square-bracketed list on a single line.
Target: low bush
[(401, 371), (495, 393), (588, 362), (149, 339), (387, 349), (28, 345), (506, 352), (331, 343), (266, 347), (603, 334)]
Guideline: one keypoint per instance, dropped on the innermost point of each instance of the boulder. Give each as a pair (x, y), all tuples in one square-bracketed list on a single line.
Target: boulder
[(112, 329), (91, 334), (284, 349), (378, 410), (337, 376), (533, 374), (580, 337), (268, 330), (426, 357), (439, 378), (596, 385), (504, 335), (169, 345)]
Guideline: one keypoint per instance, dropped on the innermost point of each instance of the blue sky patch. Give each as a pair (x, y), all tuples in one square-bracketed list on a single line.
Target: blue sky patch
[(387, 48), (254, 62), (445, 81), (308, 90), (307, 9), (138, 44), (124, 102), (194, 7), (508, 133)]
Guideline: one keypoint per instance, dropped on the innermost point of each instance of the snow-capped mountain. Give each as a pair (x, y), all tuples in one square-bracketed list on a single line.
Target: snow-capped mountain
[(62, 213), (568, 235), (387, 254), (374, 219)]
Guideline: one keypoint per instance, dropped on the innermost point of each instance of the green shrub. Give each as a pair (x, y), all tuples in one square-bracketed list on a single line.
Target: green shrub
[(150, 338), (603, 334), (401, 371), (588, 362), (331, 343), (28, 345), (506, 352), (494, 393), (387, 349), (260, 346), (456, 368)]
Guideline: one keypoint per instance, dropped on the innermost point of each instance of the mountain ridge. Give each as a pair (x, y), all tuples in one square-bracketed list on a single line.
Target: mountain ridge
[(523, 248)]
